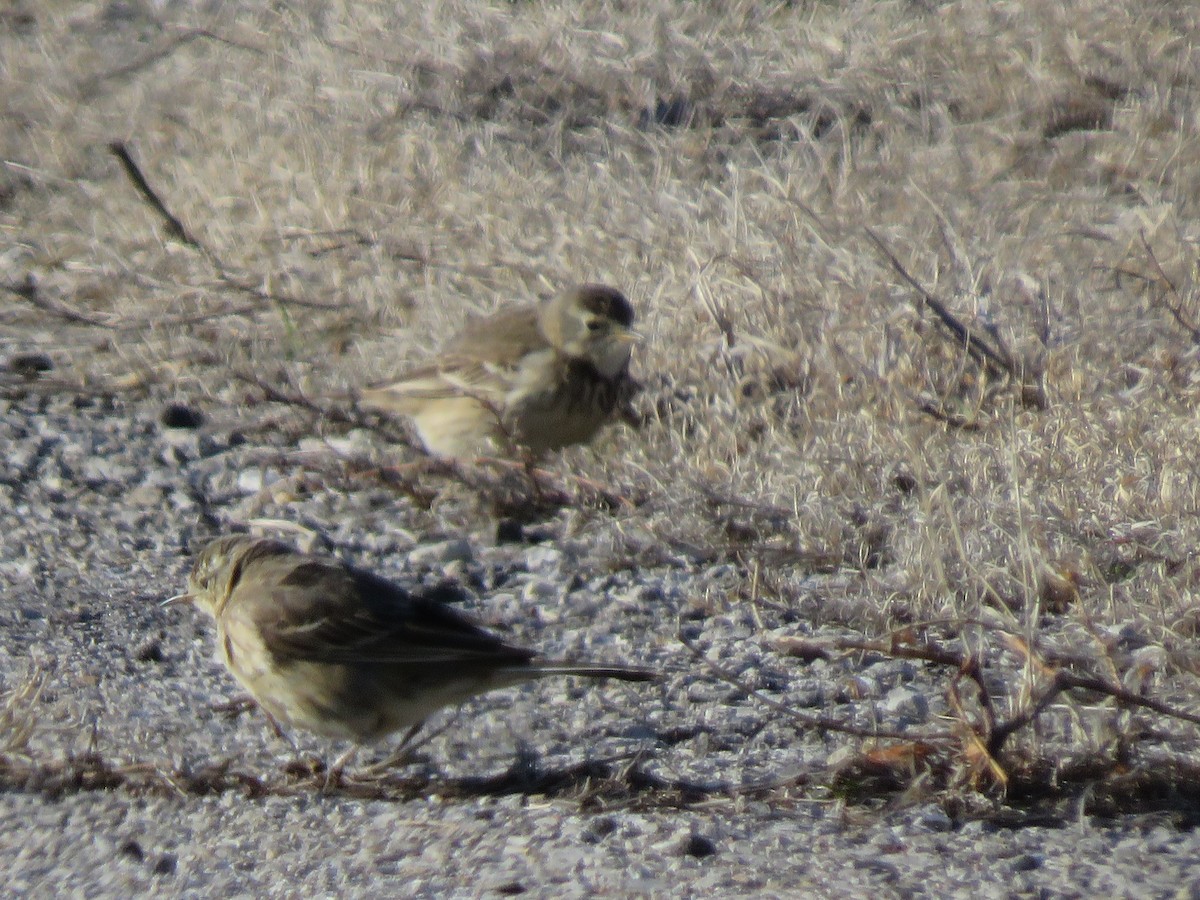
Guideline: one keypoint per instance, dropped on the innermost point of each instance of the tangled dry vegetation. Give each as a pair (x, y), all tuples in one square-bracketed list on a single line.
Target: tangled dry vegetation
[(918, 283)]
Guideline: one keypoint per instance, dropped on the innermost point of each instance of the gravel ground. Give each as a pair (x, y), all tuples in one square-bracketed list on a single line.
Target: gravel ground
[(100, 502), (816, 460)]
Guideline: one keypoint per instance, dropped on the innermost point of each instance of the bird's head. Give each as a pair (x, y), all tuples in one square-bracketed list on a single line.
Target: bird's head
[(593, 323), (220, 566)]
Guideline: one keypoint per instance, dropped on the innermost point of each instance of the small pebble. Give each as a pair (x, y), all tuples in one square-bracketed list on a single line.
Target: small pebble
[(440, 553), (180, 415), (699, 846), (30, 365)]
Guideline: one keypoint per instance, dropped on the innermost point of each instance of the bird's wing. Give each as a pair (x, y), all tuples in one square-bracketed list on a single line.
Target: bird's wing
[(479, 362), (499, 339), (328, 612), (452, 376)]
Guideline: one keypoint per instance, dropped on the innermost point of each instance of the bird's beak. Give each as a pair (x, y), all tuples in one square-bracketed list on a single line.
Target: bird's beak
[(629, 336), (177, 599)]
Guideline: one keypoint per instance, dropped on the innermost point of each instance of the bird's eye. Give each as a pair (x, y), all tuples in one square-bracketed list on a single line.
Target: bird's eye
[(204, 577), (595, 325)]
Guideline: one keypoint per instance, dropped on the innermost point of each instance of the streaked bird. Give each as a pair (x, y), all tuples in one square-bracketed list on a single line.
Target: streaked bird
[(542, 377), (336, 650)]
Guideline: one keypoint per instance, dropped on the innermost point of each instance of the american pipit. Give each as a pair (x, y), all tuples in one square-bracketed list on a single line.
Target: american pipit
[(542, 377), (333, 649)]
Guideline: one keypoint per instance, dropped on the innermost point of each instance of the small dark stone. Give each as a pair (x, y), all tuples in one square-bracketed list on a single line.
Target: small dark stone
[(1027, 862), (904, 482), (166, 864), (121, 11), (699, 846), (20, 22), (133, 850), (180, 415), (598, 829), (670, 112), (538, 533), (509, 531), (151, 651), (773, 682), (511, 889), (30, 365)]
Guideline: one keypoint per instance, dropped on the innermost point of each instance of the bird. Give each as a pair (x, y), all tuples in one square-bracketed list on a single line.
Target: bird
[(330, 648), (541, 376)]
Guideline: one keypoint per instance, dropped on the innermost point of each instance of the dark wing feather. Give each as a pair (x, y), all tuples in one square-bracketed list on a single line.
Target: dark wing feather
[(331, 613)]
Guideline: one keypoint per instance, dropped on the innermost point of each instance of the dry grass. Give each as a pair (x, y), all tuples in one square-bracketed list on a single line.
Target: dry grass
[(365, 175)]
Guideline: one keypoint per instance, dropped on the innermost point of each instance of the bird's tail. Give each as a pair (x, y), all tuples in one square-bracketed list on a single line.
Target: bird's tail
[(592, 670)]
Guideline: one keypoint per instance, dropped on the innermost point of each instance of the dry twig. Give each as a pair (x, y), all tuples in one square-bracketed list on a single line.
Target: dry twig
[(1176, 309), (996, 360)]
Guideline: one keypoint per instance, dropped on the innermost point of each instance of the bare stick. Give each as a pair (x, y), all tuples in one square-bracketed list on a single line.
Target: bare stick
[(331, 413), (1060, 681), (976, 346), (954, 421), (92, 85), (175, 228), (1175, 309), (28, 291)]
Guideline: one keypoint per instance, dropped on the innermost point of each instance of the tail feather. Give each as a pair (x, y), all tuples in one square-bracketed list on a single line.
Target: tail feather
[(592, 670)]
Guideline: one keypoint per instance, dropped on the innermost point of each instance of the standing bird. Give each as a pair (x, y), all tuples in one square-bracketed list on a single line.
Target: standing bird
[(336, 650), (542, 377)]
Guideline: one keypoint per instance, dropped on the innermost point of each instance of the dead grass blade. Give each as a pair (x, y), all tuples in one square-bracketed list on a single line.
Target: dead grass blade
[(18, 716)]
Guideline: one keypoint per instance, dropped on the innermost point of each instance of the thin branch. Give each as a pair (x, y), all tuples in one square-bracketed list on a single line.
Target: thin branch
[(1060, 681), (175, 228), (613, 779), (28, 291), (1175, 309), (1123, 695), (951, 419), (349, 416), (93, 84), (976, 346)]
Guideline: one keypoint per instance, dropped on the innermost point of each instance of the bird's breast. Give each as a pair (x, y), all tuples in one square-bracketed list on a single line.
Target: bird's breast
[(560, 403)]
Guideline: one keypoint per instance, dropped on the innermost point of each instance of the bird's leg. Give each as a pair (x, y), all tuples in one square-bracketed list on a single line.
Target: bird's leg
[(333, 775), (539, 477), (278, 729), (402, 753), (405, 751), (529, 464), (235, 706), (303, 763)]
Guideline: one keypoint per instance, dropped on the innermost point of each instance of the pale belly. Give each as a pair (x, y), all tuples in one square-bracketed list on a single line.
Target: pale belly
[(361, 703)]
